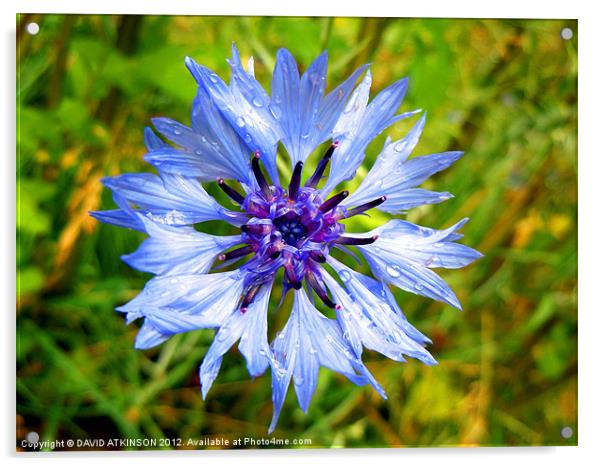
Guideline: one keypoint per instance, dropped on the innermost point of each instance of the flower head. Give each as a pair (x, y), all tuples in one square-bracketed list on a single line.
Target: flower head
[(291, 225)]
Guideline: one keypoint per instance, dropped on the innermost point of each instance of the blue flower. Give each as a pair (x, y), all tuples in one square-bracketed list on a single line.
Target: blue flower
[(293, 226)]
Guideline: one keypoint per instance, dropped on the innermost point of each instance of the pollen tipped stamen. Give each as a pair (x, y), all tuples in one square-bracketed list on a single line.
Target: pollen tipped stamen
[(293, 187), (364, 207), (351, 241), (232, 193), (261, 181), (334, 201), (317, 176), (315, 284), (240, 252), (248, 298)]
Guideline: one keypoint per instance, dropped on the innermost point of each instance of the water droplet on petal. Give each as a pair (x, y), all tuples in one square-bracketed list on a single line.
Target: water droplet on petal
[(240, 121), (393, 270), (438, 245), (223, 333), (275, 111), (345, 275), (257, 102), (400, 146), (418, 286)]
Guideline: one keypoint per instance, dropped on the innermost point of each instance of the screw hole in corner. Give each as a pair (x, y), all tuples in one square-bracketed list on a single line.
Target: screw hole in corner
[(32, 29)]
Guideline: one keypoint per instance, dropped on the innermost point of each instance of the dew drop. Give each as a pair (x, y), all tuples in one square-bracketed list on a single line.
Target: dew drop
[(400, 146), (257, 102), (240, 121), (345, 275), (177, 132), (223, 333), (418, 287), (438, 245), (213, 77), (312, 350), (393, 270), (275, 111)]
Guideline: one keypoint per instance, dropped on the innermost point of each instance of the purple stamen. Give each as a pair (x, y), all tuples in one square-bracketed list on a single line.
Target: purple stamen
[(232, 193), (263, 184), (351, 241), (289, 271), (293, 187), (240, 252), (334, 201), (317, 176), (313, 281), (248, 298), (364, 207), (256, 228), (317, 256)]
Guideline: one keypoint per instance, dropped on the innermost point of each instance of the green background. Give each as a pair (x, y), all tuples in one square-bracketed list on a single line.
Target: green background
[(504, 91)]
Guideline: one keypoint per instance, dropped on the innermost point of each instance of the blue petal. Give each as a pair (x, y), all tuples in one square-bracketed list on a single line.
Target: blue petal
[(173, 200), (368, 319), (180, 303), (177, 250), (395, 176), (310, 340), (404, 252), (296, 103), (148, 337), (152, 141), (118, 218), (359, 124), (245, 105), (213, 146), (251, 328)]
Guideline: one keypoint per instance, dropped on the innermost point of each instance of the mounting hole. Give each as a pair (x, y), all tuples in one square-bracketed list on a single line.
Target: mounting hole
[(32, 28), (566, 432), (32, 437), (566, 33)]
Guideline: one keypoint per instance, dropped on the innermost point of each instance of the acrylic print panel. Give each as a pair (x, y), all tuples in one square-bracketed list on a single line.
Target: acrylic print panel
[(286, 234)]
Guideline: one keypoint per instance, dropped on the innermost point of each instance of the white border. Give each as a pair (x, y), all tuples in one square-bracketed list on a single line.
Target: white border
[(590, 386)]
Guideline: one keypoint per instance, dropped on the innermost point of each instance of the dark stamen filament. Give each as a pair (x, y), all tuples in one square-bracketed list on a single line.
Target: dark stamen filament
[(364, 207), (318, 256), (293, 187), (232, 193), (248, 298), (256, 228), (313, 281), (348, 240), (289, 271), (317, 176), (263, 184), (236, 253), (334, 201)]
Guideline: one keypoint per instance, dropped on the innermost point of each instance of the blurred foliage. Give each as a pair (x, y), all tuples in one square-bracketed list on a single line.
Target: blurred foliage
[(504, 91)]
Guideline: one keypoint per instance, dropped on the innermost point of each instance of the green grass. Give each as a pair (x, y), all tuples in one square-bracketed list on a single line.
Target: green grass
[(504, 91)]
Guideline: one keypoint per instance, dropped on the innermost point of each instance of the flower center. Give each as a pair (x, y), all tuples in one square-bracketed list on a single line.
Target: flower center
[(293, 229)]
